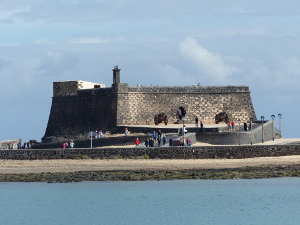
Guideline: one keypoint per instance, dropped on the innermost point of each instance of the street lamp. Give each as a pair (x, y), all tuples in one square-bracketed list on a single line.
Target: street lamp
[(273, 117), (251, 121), (239, 122), (280, 115), (262, 129), (91, 139)]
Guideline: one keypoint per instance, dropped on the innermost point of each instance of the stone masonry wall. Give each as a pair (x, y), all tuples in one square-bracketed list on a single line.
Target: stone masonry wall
[(204, 152), (140, 104), (91, 109)]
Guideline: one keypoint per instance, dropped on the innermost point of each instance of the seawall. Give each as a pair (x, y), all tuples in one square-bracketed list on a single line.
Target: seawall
[(197, 152)]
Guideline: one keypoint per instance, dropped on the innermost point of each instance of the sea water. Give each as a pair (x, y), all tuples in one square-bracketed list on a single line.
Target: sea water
[(253, 201)]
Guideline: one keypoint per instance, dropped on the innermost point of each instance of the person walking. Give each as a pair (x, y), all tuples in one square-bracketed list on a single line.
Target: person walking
[(201, 126), (126, 132), (154, 136), (147, 142), (158, 141), (233, 125), (164, 139), (245, 127), (137, 142), (151, 142), (196, 121), (171, 142)]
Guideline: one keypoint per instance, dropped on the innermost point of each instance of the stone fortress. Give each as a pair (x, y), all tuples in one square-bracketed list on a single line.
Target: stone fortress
[(79, 106)]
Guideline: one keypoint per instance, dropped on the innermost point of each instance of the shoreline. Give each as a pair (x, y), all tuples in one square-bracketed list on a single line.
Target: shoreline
[(62, 170)]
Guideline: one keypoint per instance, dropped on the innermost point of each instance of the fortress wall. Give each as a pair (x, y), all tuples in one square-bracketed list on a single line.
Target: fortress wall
[(75, 109), (91, 109), (140, 104)]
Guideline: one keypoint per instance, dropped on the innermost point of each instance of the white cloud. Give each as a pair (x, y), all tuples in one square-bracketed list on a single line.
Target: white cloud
[(209, 63), (44, 41), (88, 41)]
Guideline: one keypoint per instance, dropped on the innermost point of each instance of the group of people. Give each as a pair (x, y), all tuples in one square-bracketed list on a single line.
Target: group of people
[(158, 137), (231, 126), (26, 145), (98, 134), (197, 123), (68, 145), (186, 141)]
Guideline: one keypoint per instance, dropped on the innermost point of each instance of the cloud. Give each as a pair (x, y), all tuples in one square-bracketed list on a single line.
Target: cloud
[(88, 41), (209, 63), (57, 63)]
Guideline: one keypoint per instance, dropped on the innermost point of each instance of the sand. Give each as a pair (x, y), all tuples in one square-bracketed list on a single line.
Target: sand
[(69, 165)]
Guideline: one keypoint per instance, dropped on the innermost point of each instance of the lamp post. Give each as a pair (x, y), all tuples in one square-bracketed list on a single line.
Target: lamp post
[(91, 139), (280, 115), (273, 117), (239, 122), (262, 129), (251, 121)]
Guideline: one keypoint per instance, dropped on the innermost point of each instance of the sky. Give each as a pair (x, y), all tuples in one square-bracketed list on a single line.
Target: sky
[(159, 42)]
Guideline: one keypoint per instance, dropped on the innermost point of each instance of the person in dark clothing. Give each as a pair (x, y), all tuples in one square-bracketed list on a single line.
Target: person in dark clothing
[(201, 126), (147, 142), (151, 142), (158, 140), (164, 139), (245, 126), (171, 142)]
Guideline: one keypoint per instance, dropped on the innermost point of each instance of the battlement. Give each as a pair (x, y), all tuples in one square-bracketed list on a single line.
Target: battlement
[(190, 89)]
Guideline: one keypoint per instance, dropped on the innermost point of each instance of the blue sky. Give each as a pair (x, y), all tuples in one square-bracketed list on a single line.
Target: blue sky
[(169, 43)]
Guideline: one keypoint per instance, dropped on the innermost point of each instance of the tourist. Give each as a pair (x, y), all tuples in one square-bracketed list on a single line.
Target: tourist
[(228, 126), (63, 145), (137, 142), (181, 142), (100, 134), (126, 132), (171, 142), (147, 142), (19, 145), (245, 126), (233, 125), (96, 134), (201, 126), (159, 134), (188, 142), (154, 136), (151, 142), (159, 140), (196, 121), (164, 139), (72, 144)]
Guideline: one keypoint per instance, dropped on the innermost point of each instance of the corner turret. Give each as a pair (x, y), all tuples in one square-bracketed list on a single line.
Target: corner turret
[(116, 75)]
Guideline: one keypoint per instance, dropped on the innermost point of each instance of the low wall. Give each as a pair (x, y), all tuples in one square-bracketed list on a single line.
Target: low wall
[(198, 152), (232, 138)]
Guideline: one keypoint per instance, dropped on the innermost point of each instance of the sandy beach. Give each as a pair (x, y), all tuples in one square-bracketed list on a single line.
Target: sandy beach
[(68, 165)]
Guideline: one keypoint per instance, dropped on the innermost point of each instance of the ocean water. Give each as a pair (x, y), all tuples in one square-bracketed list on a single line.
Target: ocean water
[(253, 201)]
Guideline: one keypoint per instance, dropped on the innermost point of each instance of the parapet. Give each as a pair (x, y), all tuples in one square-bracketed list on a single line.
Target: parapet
[(70, 88)]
